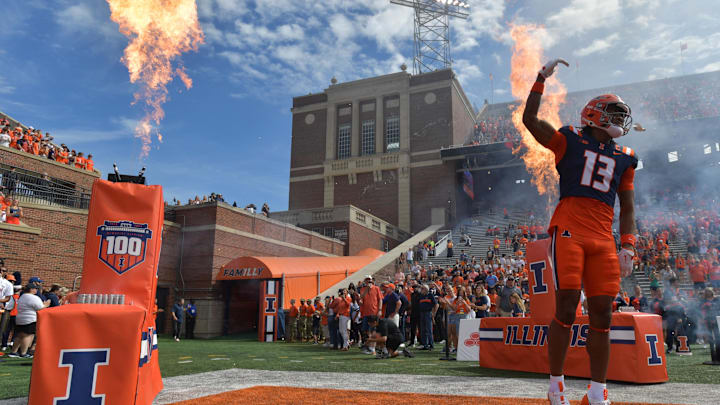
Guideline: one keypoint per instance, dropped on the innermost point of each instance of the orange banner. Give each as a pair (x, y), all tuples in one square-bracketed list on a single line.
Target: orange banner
[(122, 242), (637, 352), (109, 354)]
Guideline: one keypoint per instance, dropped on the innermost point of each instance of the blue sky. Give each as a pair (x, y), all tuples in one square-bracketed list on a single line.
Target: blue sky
[(60, 71)]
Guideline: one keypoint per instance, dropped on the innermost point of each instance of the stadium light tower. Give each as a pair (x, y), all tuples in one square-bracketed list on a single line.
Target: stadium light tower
[(432, 31)]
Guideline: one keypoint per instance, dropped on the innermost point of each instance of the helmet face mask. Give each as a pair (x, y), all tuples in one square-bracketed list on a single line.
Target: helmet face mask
[(609, 113)]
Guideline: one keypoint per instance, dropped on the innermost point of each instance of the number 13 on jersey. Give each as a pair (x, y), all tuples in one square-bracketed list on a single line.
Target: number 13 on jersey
[(600, 165)]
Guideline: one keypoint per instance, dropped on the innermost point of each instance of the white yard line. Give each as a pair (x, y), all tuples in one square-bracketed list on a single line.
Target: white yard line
[(188, 387), (198, 385)]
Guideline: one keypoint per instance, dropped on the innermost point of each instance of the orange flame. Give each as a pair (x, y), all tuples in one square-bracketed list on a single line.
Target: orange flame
[(159, 31), (527, 59)]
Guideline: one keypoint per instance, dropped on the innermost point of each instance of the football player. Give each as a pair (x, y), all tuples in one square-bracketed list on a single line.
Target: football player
[(593, 170)]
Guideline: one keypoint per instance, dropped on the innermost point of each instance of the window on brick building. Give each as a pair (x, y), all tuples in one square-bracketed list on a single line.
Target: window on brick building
[(343, 141), (318, 230), (392, 134), (368, 138), (329, 232), (384, 245)]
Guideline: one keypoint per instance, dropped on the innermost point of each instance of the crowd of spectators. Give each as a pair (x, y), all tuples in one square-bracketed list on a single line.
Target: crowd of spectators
[(411, 310), (675, 99), (10, 210), (683, 215), (31, 140), (19, 305), (215, 197), (420, 295)]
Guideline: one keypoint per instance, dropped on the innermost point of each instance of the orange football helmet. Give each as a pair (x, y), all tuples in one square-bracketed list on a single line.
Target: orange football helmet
[(596, 114)]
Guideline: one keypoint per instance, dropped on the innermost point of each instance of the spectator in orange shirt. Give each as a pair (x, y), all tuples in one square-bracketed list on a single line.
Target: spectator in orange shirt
[(13, 213), (698, 275), (324, 321), (309, 311), (343, 310), (493, 301), (89, 164), (316, 320), (80, 161), (292, 322), (370, 304), (302, 320)]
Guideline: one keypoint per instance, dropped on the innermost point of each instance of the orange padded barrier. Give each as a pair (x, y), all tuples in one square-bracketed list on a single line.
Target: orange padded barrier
[(103, 349), (636, 355)]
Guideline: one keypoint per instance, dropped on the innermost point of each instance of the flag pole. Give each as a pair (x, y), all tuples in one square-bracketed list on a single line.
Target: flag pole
[(683, 47), (492, 89)]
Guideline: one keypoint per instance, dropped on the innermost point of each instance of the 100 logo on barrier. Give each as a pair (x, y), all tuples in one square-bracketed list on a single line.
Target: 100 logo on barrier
[(123, 244)]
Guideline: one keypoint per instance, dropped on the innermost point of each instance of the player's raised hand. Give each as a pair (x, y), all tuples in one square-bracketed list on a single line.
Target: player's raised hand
[(549, 67), (626, 261)]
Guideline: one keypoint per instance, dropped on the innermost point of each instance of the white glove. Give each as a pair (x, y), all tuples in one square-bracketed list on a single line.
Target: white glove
[(626, 261), (549, 67)]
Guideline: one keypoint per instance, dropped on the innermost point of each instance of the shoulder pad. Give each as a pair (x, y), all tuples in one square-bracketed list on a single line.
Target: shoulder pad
[(570, 129), (626, 150)]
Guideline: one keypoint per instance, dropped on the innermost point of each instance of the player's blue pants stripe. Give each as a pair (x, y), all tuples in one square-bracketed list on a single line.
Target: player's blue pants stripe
[(554, 259)]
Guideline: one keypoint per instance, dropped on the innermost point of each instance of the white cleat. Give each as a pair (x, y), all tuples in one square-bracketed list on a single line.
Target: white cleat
[(557, 398)]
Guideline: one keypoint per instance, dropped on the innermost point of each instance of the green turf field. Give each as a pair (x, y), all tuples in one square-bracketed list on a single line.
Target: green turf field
[(196, 356)]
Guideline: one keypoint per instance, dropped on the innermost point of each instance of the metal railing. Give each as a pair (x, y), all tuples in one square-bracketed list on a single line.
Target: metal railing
[(34, 188)]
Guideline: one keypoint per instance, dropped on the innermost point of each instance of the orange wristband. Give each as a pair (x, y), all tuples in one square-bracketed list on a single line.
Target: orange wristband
[(627, 238), (538, 88)]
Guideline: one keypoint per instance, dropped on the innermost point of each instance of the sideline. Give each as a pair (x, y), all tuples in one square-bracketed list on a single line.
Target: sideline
[(214, 382)]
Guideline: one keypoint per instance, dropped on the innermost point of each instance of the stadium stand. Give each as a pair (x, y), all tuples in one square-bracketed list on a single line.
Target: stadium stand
[(14, 134), (675, 99)]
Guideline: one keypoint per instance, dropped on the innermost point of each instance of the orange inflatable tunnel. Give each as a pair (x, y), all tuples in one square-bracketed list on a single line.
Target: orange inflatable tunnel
[(636, 354), (283, 278), (102, 349)]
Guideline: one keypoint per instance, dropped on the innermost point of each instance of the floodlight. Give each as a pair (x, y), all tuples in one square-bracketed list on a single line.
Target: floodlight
[(432, 31)]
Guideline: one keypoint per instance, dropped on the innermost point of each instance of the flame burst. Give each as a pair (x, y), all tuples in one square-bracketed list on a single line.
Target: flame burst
[(159, 31), (527, 59)]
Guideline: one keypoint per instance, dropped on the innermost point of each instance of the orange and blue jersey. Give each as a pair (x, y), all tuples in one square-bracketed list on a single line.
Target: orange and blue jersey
[(591, 174)]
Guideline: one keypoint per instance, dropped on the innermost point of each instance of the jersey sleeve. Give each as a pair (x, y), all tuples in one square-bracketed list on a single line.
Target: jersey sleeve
[(557, 145), (626, 181)]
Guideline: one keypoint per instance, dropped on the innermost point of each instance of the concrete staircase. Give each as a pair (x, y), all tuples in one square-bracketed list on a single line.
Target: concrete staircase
[(383, 268), (475, 227), (678, 247)]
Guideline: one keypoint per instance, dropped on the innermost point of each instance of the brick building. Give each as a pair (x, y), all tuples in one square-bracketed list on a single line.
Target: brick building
[(365, 171), (197, 239), (376, 144)]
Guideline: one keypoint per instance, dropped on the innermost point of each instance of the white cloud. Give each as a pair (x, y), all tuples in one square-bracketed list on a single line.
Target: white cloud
[(6, 88), (583, 15), (498, 59), (598, 46), (388, 27), (466, 70), (643, 20), (484, 22), (124, 127), (500, 91), (81, 18), (664, 43), (661, 73), (342, 27), (710, 67), (617, 73)]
